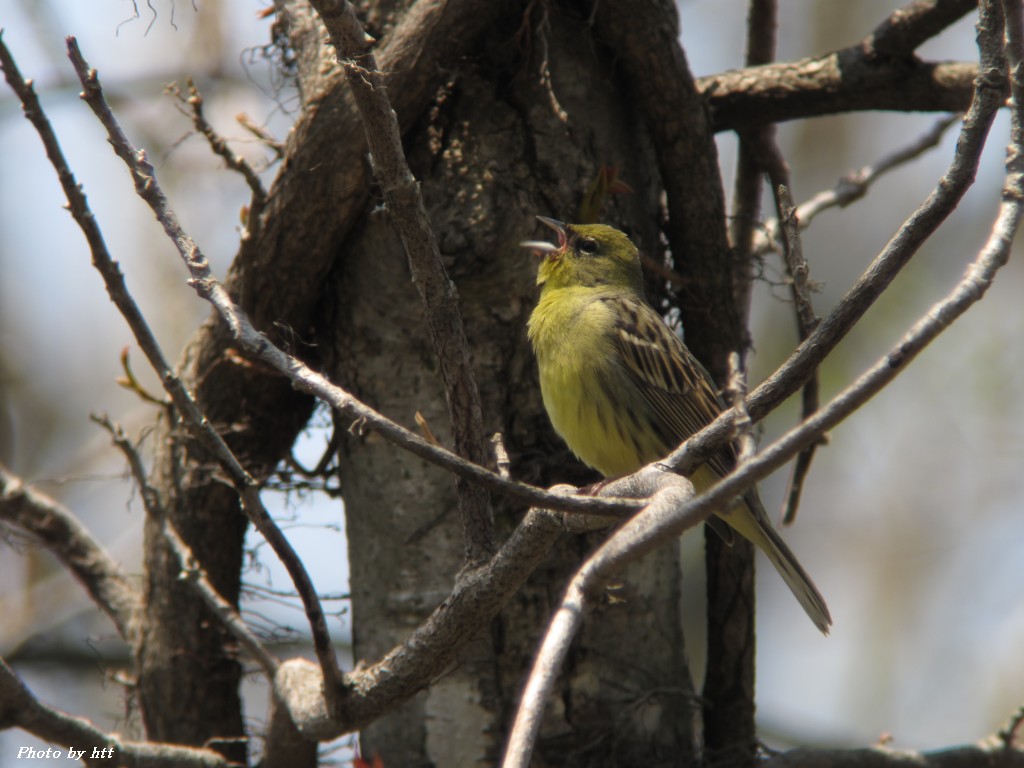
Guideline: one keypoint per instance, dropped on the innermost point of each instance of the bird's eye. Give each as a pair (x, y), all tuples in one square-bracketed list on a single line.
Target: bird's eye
[(588, 245)]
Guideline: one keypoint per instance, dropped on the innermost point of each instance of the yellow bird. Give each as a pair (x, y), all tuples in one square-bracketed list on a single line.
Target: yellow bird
[(622, 389)]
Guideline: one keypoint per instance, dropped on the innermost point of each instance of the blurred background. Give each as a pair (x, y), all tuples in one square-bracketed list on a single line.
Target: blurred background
[(912, 518)]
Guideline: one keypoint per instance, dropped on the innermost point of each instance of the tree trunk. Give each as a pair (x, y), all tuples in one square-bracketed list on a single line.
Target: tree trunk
[(497, 146)]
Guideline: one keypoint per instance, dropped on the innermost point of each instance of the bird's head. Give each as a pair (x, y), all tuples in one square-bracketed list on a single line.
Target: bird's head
[(587, 255)]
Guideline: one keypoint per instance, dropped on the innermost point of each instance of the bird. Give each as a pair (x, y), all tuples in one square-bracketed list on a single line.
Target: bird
[(622, 389)]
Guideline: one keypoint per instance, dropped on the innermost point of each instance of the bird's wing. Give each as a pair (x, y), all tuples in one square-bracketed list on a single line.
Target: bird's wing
[(679, 392)]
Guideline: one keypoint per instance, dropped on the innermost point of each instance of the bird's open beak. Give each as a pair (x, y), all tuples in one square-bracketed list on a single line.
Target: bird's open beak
[(543, 248)]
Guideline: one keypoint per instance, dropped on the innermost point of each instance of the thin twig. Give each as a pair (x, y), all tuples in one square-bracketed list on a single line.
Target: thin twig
[(193, 573), (58, 529), (220, 147), (261, 133), (806, 321), (437, 291), (796, 265), (854, 185), (191, 570)]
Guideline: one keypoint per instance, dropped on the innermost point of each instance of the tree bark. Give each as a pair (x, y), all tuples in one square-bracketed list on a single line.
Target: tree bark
[(498, 145)]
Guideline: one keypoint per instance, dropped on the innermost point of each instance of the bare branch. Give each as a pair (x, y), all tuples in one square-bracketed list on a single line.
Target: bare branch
[(303, 377), (220, 147), (191, 571), (855, 184), (806, 321), (666, 495), (370, 692), (970, 289), (57, 529), (437, 291), (792, 374), (916, 23), (649, 528), (775, 93), (879, 72), (19, 708)]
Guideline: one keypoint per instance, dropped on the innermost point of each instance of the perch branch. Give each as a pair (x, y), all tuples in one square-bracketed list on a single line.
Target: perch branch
[(666, 495)]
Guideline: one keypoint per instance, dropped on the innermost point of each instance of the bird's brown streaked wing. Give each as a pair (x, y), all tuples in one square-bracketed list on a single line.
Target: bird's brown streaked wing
[(679, 391)]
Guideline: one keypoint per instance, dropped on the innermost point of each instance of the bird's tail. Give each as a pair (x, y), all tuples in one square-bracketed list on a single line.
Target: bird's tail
[(751, 521)]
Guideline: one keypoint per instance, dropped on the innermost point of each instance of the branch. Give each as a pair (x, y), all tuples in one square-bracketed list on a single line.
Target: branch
[(854, 185), (220, 147), (879, 72), (440, 301), (907, 28), (971, 288), (56, 528), (922, 224), (191, 570), (371, 692), (322, 709), (238, 322), (806, 322), (666, 495), (20, 709)]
